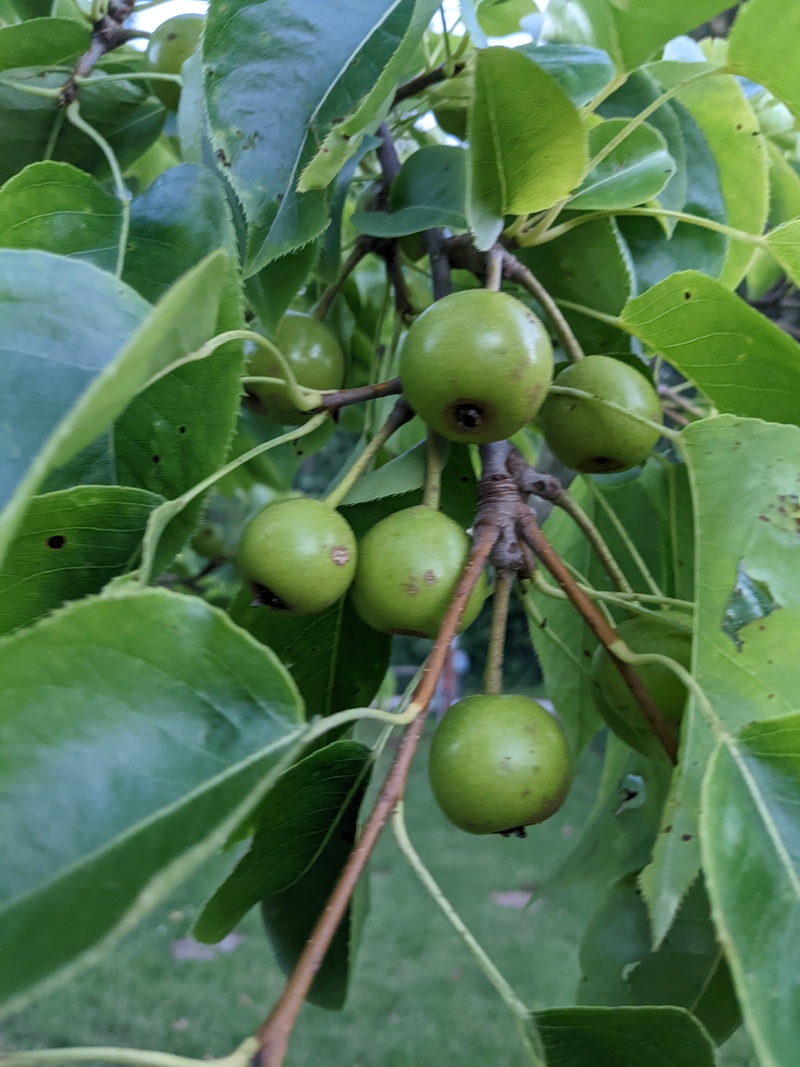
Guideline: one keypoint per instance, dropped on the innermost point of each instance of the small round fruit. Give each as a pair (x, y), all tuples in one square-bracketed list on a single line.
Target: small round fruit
[(476, 366), (498, 763), (408, 567), (169, 47), (314, 355), (299, 554), (589, 437), (620, 709)]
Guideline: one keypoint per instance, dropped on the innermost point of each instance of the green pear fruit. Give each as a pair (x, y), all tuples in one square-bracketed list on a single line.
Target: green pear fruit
[(169, 47), (299, 554), (499, 763), (408, 567), (590, 437), (476, 366)]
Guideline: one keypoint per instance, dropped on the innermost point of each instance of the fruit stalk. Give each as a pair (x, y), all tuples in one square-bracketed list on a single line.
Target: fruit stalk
[(273, 1034), (399, 414), (493, 674)]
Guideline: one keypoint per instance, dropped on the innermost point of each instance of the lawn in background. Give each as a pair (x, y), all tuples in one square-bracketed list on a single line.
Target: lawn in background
[(417, 998)]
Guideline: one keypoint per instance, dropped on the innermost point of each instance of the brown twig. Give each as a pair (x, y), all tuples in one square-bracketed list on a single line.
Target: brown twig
[(424, 81), (363, 246), (546, 554), (107, 34), (519, 273), (273, 1034), (341, 398)]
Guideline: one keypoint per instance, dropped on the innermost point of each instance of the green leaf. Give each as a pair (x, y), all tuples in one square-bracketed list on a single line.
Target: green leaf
[(632, 173), (618, 835), (274, 287), (730, 127), (522, 158), (63, 384), (625, 1037), (68, 546), (630, 33), (336, 660), (429, 191), (761, 48), (399, 484), (784, 243), (746, 541), (121, 111), (658, 249), (179, 430), (265, 140), (581, 72), (640, 91), (751, 852), (57, 208), (619, 965), (155, 721), (180, 219), (498, 18), (304, 831), (743, 362), (346, 138), (42, 41), (589, 265)]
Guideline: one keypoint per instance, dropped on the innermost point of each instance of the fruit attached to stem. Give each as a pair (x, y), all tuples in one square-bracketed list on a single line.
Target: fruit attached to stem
[(588, 436), (499, 763), (408, 566), (476, 366), (299, 555), (314, 357), (169, 47), (619, 707)]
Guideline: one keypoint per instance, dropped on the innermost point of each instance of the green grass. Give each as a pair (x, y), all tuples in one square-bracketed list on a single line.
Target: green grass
[(417, 998)]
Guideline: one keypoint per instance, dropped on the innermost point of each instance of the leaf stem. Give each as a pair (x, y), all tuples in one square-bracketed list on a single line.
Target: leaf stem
[(563, 390), (648, 213), (493, 673), (399, 414), (74, 116), (273, 1034), (126, 1057), (624, 536), (520, 1012), (359, 251)]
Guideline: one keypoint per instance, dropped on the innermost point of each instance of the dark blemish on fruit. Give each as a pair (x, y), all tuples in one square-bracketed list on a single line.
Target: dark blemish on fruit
[(56, 541), (687, 296), (172, 37), (468, 416), (667, 828), (265, 598), (587, 653), (411, 588), (601, 465), (525, 793), (340, 555), (429, 578), (738, 125), (156, 459), (181, 429), (686, 837), (464, 478)]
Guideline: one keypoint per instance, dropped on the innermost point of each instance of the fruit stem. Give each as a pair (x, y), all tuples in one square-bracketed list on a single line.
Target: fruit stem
[(399, 414), (494, 268), (127, 1057), (528, 1034), (435, 458), (591, 614), (517, 272), (361, 248), (424, 81), (273, 1034), (340, 398), (493, 673)]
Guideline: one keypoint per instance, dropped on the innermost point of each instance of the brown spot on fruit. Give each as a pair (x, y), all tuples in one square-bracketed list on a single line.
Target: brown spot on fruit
[(429, 578), (340, 555)]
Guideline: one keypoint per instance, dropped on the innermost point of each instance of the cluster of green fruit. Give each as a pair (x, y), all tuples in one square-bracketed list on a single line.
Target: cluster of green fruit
[(477, 366)]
